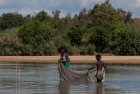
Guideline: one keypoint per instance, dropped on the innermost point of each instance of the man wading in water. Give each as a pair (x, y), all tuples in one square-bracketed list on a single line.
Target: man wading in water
[(100, 68)]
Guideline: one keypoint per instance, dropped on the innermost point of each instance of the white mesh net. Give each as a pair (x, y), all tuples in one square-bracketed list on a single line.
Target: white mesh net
[(72, 75)]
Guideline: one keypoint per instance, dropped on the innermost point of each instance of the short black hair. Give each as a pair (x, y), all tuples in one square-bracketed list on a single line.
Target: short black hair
[(98, 56), (62, 47)]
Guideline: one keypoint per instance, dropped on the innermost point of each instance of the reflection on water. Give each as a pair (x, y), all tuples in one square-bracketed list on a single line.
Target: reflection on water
[(64, 87), (100, 88), (44, 79)]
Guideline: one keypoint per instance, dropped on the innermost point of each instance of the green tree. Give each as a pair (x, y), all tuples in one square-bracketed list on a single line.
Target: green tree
[(75, 35), (9, 42), (35, 33), (100, 38), (10, 20), (104, 13), (102, 29), (126, 16), (42, 16), (56, 14), (128, 42)]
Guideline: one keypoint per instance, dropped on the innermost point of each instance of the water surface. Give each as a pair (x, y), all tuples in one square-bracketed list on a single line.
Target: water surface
[(19, 78)]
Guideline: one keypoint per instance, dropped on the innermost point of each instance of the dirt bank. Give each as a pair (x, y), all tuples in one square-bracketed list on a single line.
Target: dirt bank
[(74, 59)]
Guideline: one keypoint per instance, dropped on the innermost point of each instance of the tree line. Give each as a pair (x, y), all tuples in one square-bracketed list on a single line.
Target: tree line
[(102, 29)]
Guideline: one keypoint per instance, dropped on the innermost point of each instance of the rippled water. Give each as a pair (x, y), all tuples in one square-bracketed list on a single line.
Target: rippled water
[(44, 79)]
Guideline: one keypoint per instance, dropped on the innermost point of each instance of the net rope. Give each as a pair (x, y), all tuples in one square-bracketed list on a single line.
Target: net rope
[(39, 85), (18, 77)]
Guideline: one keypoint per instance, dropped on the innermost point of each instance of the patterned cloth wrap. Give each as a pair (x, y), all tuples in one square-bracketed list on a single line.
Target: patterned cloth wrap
[(66, 64)]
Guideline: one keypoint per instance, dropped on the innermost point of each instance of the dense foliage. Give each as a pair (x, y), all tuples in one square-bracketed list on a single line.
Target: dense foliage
[(102, 29)]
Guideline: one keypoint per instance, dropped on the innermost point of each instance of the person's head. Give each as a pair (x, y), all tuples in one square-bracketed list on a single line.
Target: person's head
[(98, 57), (62, 50)]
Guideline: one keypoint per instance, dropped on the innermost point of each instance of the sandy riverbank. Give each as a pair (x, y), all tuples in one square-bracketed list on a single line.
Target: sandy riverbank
[(74, 59)]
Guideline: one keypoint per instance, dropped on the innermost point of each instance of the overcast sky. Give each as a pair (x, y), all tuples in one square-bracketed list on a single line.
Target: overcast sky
[(66, 6)]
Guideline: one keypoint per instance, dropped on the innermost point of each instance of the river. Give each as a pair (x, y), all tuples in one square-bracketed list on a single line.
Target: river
[(33, 78)]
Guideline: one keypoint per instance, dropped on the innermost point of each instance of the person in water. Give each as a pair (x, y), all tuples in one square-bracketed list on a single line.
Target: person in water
[(100, 69), (64, 58)]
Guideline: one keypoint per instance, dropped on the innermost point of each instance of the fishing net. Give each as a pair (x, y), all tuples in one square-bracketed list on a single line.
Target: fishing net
[(72, 75)]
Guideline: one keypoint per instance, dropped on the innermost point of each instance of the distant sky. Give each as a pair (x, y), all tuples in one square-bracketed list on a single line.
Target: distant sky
[(66, 6)]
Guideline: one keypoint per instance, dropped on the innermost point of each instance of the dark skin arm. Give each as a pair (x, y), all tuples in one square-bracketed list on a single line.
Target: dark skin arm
[(91, 68), (67, 57), (59, 61), (104, 65)]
